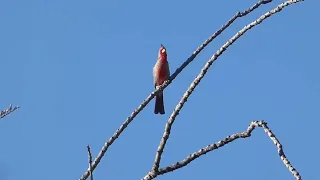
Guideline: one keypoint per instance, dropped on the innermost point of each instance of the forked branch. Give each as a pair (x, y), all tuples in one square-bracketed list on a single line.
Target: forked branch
[(229, 139)]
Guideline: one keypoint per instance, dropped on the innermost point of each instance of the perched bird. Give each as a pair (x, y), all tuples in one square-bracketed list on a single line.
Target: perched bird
[(161, 73)]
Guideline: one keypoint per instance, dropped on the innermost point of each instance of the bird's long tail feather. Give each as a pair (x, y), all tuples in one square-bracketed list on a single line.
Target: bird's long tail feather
[(159, 106)]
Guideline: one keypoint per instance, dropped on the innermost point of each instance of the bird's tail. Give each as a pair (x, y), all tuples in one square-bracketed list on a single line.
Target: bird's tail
[(159, 105)]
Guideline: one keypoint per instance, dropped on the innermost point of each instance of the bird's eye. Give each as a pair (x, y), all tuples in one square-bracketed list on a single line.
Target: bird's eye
[(163, 50)]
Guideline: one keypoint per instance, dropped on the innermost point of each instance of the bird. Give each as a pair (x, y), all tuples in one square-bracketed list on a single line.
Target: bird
[(161, 73)]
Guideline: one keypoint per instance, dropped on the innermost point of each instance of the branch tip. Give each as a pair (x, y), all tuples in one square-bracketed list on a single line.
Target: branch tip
[(90, 162)]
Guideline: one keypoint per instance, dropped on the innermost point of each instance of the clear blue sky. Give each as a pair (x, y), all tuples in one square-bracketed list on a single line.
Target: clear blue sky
[(78, 68)]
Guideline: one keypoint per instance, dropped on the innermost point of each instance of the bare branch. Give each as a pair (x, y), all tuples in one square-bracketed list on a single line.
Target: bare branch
[(165, 84), (283, 157), (90, 162), (154, 172), (228, 140), (7, 111)]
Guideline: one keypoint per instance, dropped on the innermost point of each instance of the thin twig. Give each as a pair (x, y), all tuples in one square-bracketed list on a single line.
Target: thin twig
[(7, 111), (90, 162), (228, 140), (165, 84), (283, 157), (154, 172)]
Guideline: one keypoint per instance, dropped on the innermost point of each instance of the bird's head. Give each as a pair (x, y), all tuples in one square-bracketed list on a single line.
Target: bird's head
[(162, 52)]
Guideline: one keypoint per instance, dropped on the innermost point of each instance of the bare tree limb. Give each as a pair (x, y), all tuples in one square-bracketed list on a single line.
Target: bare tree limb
[(7, 111), (154, 172), (165, 84), (228, 140), (90, 162)]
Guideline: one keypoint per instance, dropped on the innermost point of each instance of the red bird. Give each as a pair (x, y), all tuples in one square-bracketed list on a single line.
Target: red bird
[(161, 73)]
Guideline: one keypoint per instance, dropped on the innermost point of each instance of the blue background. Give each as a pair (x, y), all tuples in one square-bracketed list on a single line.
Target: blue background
[(79, 68)]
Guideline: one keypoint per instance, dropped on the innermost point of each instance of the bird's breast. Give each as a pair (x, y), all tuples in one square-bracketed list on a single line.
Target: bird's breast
[(160, 72)]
